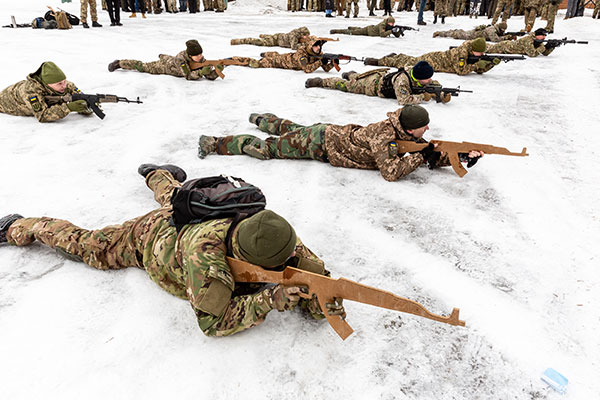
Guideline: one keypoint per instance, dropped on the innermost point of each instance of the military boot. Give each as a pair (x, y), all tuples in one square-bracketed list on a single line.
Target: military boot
[(435, 19), (255, 117), (257, 149), (178, 173), (114, 65), (313, 82), (371, 61), (236, 41), (346, 75), (206, 145), (5, 223), (443, 20)]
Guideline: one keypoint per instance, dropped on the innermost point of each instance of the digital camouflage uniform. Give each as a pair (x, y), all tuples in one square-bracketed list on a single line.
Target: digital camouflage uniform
[(26, 98), (93, 11), (453, 61), (350, 146), (291, 40), (551, 14), (491, 33), (525, 45), (301, 60), (371, 83), (371, 30), (502, 7), (441, 8), (349, 4), (190, 265), (168, 65)]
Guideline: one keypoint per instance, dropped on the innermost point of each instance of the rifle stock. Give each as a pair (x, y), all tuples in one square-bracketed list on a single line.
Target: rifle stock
[(326, 289), (194, 66), (453, 148)]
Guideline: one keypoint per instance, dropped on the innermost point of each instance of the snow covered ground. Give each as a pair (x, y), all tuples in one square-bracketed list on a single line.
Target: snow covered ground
[(511, 244)]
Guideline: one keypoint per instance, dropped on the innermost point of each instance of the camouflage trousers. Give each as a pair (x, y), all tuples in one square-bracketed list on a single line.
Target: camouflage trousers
[(441, 8), (530, 16), (460, 34), (502, 5), (357, 83), (93, 11), (551, 15), (348, 6), (398, 60), (293, 141), (165, 66), (209, 5), (265, 40), (112, 247)]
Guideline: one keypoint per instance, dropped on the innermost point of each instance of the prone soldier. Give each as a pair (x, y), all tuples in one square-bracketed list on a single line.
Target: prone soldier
[(531, 45), (491, 33), (402, 85), (27, 97), (291, 40), (382, 29), (175, 66)]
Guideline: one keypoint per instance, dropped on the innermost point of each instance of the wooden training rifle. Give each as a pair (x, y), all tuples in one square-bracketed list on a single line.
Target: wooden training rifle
[(326, 289), (194, 66)]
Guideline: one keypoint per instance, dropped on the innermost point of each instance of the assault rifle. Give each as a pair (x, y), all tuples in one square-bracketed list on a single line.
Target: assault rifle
[(91, 100), (399, 29), (327, 289), (194, 66), (472, 59), (438, 90), (560, 42), (454, 148), (13, 24), (335, 59)]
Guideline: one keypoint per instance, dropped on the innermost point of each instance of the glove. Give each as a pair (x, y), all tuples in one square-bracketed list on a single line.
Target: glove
[(428, 96), (496, 61), (446, 97), (464, 157), (79, 106), (431, 156), (336, 308), (324, 61), (481, 64), (284, 298), (313, 307)]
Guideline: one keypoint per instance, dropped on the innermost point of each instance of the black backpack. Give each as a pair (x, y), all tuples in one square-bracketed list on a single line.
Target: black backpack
[(215, 197)]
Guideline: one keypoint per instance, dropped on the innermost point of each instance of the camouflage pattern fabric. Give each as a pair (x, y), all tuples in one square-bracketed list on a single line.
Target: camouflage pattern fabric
[(441, 8), (349, 4), (370, 83), (525, 45), (26, 98), (502, 7), (291, 40), (209, 5), (168, 65), (596, 13), (453, 61), (551, 14), (491, 33), (370, 30), (292, 141), (221, 5), (301, 60), (93, 11), (186, 266), (531, 10)]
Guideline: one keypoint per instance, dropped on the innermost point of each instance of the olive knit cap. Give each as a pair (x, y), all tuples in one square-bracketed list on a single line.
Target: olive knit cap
[(478, 45), (193, 48), (390, 19), (413, 117), (266, 239), (51, 73)]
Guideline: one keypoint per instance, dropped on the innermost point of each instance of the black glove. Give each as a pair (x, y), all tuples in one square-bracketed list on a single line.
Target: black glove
[(324, 61), (431, 156), (551, 44), (464, 157)]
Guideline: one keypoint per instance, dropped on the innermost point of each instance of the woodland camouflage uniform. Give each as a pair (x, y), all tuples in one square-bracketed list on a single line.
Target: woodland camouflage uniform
[(350, 146), (93, 11), (190, 265), (301, 60), (526, 45), (26, 98), (168, 65), (453, 61), (291, 40), (491, 33), (371, 83), (371, 30)]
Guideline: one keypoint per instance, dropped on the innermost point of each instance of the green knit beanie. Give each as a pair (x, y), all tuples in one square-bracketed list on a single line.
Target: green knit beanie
[(266, 239), (193, 48), (413, 117), (51, 73), (478, 45)]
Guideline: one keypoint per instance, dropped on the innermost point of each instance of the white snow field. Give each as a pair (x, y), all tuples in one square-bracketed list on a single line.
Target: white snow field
[(514, 244)]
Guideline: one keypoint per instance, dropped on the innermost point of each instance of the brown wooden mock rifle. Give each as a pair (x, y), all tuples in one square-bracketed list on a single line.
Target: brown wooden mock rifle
[(194, 66), (306, 39), (326, 289), (453, 148)]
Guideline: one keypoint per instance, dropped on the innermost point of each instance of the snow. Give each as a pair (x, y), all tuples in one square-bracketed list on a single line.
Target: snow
[(513, 244)]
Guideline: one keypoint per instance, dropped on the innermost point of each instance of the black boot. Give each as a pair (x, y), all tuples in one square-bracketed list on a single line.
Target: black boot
[(5, 223), (443, 20), (177, 172), (114, 65), (371, 61), (313, 82), (435, 19), (346, 75)]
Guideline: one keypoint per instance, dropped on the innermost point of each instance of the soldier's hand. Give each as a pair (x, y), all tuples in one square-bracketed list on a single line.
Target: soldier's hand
[(336, 308), (428, 96), (324, 61), (496, 61), (285, 298), (79, 106), (446, 97), (471, 158), (481, 64), (431, 156)]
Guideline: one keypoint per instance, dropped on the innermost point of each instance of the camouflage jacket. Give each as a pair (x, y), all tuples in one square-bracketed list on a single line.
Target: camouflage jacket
[(192, 266), (26, 98), (404, 85), (372, 147), (292, 39), (491, 33), (180, 66), (525, 45), (300, 60), (454, 61)]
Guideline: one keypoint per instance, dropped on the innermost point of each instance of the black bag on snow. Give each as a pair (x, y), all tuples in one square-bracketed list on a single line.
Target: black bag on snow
[(215, 197)]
